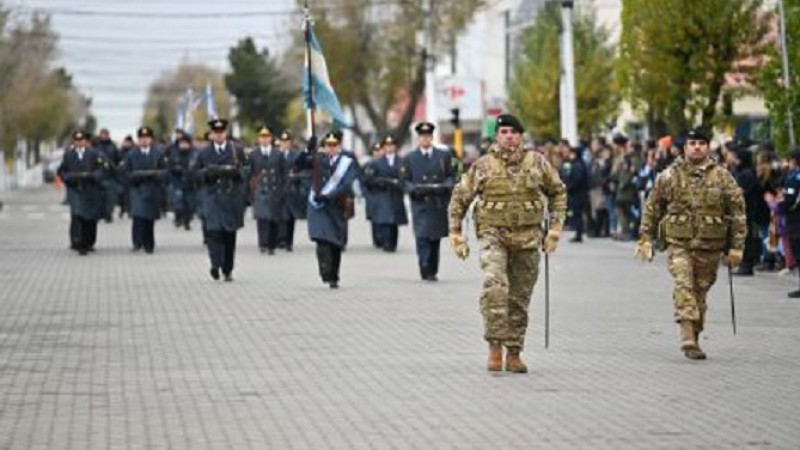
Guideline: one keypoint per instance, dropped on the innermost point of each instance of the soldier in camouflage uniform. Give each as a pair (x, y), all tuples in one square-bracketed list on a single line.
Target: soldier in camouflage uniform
[(698, 211), (514, 188)]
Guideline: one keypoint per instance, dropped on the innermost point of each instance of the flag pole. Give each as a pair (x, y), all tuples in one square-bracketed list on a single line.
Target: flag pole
[(316, 179)]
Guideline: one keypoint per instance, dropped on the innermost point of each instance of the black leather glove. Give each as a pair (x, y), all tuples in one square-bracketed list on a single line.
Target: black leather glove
[(311, 146), (319, 198)]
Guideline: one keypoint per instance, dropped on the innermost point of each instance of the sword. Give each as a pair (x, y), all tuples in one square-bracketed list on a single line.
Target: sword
[(733, 302)]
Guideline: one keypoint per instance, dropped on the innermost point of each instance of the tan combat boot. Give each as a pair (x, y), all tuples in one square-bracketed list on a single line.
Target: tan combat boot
[(495, 362), (514, 363), (689, 341), (697, 353)]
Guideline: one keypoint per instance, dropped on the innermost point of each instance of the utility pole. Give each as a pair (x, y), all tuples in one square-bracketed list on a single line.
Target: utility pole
[(569, 123), (430, 78), (786, 70)]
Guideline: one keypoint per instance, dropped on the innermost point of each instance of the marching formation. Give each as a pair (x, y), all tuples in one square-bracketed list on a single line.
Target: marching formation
[(519, 198)]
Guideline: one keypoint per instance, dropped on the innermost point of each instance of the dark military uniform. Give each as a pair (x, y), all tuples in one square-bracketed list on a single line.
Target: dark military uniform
[(268, 171), (388, 209), (298, 186), (182, 186), (428, 179), (223, 171), (111, 184), (83, 171), (576, 179), (327, 208), (145, 170)]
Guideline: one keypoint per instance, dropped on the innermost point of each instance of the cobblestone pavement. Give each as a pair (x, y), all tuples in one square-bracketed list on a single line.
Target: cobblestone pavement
[(121, 350)]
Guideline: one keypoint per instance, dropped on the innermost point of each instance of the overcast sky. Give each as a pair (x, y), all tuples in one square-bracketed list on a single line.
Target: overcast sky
[(116, 48)]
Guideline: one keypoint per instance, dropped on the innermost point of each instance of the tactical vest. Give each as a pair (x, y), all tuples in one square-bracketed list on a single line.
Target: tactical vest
[(507, 201), (696, 211)]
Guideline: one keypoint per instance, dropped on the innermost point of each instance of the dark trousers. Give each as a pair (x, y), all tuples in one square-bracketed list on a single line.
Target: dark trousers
[(428, 256), (387, 235), (752, 247), (267, 233), (376, 235), (143, 233), (329, 258), (82, 233), (576, 220), (222, 249), (289, 232)]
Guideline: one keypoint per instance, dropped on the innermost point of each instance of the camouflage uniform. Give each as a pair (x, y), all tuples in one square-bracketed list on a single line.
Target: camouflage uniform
[(514, 188), (698, 212)]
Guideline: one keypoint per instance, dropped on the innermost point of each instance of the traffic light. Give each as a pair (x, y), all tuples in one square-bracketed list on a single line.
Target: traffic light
[(458, 137), (456, 121)]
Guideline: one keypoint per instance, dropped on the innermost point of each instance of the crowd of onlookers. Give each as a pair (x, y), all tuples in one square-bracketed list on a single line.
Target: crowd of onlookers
[(609, 180)]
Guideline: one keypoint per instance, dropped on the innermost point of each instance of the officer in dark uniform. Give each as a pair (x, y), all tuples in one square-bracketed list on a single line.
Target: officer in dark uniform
[(789, 206), (389, 208), (370, 189), (83, 170), (268, 172), (575, 176), (123, 197), (298, 184), (110, 153), (145, 168), (428, 179), (182, 183), (222, 167), (327, 222)]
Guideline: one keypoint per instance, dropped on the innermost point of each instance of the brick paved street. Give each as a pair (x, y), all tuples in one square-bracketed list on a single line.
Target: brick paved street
[(121, 350)]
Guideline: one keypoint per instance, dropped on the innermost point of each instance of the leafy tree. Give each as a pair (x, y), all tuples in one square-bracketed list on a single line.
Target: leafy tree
[(262, 91), (375, 60), (675, 55), (534, 91), (37, 102), (782, 98), (164, 93)]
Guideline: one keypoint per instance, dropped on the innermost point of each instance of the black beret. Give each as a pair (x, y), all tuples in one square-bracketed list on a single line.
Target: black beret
[(507, 120), (619, 139), (424, 128), (697, 134), (218, 124), (144, 132)]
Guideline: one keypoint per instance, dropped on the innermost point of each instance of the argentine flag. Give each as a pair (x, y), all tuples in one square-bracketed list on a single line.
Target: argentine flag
[(323, 95), (211, 106)]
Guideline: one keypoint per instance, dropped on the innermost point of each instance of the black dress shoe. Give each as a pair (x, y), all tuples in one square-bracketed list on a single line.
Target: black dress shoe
[(334, 285), (214, 273), (794, 294), (149, 251), (743, 272), (136, 249), (289, 248), (83, 251), (576, 240), (90, 249), (262, 249), (270, 251), (228, 277), (432, 278), (187, 227)]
